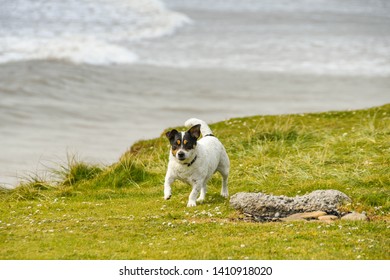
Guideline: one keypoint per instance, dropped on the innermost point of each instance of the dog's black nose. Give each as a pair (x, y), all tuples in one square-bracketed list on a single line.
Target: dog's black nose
[(181, 155)]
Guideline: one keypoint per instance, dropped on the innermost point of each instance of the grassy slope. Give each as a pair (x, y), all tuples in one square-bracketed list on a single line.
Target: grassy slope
[(118, 212)]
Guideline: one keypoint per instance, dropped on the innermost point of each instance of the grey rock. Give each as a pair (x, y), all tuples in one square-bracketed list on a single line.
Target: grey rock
[(354, 216), (266, 207)]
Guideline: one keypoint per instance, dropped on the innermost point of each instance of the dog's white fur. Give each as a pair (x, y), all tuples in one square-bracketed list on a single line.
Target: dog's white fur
[(210, 156)]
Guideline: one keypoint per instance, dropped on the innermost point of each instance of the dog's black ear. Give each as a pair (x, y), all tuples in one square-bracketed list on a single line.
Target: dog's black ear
[(171, 134), (195, 131)]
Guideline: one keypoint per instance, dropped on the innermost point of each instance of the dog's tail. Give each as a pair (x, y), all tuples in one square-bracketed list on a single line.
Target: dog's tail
[(204, 128)]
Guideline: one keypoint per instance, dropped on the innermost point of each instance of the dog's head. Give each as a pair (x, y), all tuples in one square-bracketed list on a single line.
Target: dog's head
[(183, 144)]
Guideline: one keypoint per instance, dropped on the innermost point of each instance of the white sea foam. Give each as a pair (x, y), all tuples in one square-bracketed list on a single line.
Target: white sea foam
[(81, 31), (74, 49)]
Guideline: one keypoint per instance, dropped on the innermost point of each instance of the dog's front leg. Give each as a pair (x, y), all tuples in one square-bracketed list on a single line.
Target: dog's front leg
[(167, 186), (194, 194), (202, 195)]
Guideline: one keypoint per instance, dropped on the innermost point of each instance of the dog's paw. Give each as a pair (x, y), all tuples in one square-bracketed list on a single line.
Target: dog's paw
[(167, 195), (225, 194), (191, 204), (200, 200)]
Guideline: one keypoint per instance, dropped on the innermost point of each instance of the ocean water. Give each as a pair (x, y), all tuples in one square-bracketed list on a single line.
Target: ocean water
[(349, 37), (334, 37), (91, 77), (87, 31)]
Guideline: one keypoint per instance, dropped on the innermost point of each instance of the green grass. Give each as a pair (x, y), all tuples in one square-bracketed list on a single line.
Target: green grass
[(118, 212)]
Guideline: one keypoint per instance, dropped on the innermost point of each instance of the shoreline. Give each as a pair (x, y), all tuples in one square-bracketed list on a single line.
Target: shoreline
[(49, 108)]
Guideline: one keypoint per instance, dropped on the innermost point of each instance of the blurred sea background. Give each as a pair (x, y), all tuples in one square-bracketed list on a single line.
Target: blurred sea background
[(91, 77)]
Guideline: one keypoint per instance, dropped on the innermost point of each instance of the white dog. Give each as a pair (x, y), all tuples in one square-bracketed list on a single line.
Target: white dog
[(194, 161)]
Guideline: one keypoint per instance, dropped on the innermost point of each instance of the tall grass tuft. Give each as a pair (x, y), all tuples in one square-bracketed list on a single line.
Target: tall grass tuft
[(78, 172), (32, 187)]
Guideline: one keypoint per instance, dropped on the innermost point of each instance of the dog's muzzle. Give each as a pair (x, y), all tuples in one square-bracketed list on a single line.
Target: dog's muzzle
[(181, 155)]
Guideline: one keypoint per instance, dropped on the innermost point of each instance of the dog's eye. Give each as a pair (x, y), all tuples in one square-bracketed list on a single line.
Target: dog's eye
[(185, 142), (178, 142)]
